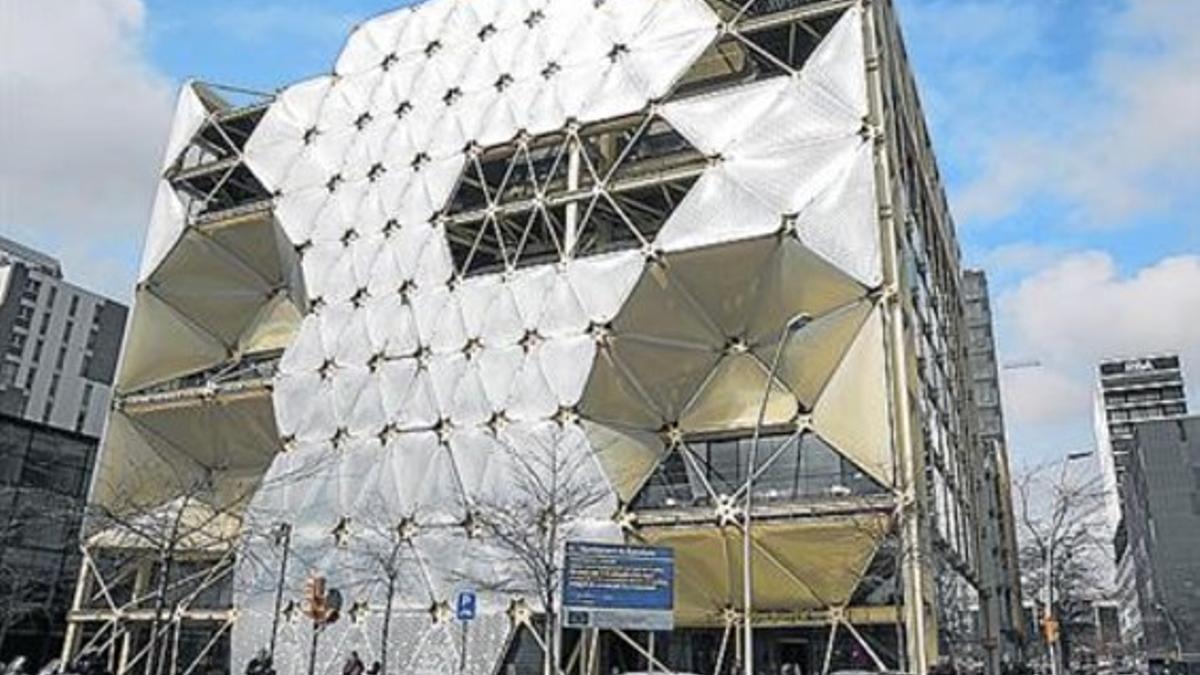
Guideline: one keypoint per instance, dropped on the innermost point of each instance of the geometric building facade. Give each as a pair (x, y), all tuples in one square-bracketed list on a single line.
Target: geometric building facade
[(693, 253)]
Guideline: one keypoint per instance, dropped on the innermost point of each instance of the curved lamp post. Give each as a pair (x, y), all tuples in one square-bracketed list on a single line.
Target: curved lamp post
[(793, 324)]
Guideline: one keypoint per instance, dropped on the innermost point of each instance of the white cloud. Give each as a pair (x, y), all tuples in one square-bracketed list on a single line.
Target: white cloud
[(1081, 308), (1073, 314), (1021, 257), (84, 120), (1124, 140)]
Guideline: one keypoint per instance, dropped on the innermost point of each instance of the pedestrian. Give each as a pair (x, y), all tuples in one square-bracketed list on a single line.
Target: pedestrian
[(354, 665), (260, 664)]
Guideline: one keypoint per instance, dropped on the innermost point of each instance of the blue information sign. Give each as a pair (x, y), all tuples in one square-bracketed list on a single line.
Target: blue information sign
[(465, 606), (614, 586)]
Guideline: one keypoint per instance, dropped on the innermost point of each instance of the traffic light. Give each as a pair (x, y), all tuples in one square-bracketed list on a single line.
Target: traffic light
[(322, 605), (1050, 629), (314, 598)]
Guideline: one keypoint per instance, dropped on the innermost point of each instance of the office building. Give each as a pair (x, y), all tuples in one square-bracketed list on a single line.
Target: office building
[(627, 237), (1128, 391), (44, 475), (1004, 625), (60, 344), (1161, 491)]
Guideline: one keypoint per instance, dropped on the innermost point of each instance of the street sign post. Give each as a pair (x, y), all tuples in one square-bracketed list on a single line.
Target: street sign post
[(324, 606), (619, 587), (466, 606)]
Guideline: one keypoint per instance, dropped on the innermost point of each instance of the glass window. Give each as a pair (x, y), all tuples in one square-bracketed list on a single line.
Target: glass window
[(57, 464), (16, 344), (671, 486), (74, 306), (822, 469), (979, 338), (13, 442), (8, 373), (792, 468), (24, 317), (32, 288), (34, 565), (985, 393), (49, 531), (723, 461)]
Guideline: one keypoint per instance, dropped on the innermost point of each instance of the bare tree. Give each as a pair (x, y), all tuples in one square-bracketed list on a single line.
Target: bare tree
[(1064, 546), (384, 548), (163, 555), (183, 547), (548, 489), (21, 597), (39, 517)]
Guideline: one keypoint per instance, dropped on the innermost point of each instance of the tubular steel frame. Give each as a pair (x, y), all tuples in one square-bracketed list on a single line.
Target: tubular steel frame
[(894, 111)]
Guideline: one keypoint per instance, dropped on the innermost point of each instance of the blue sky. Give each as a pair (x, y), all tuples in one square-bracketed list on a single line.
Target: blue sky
[(1068, 133)]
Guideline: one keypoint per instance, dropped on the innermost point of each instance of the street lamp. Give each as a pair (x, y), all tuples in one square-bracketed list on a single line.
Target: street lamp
[(282, 536), (1050, 624), (793, 324)]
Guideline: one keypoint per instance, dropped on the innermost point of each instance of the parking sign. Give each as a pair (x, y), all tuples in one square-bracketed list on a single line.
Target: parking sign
[(465, 605)]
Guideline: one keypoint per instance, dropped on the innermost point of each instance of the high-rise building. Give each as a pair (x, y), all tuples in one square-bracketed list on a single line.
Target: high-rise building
[(1128, 391), (44, 475), (1003, 623), (689, 261), (60, 344), (1161, 491)]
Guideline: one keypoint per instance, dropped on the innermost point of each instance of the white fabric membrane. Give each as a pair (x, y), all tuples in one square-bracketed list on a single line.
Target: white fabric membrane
[(409, 395)]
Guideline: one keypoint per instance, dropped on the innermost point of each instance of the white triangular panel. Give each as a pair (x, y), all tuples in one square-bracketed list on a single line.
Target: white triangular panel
[(168, 219), (190, 114)]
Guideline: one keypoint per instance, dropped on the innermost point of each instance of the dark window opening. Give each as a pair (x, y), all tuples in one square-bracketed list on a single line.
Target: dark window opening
[(219, 187), (609, 186), (759, 47), (792, 469)]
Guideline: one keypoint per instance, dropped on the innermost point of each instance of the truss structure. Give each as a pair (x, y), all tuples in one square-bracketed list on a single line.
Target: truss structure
[(192, 427), (506, 228)]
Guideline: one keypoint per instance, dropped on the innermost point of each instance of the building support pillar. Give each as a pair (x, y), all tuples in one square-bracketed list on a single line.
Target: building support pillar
[(920, 632), (72, 636), (141, 582)]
